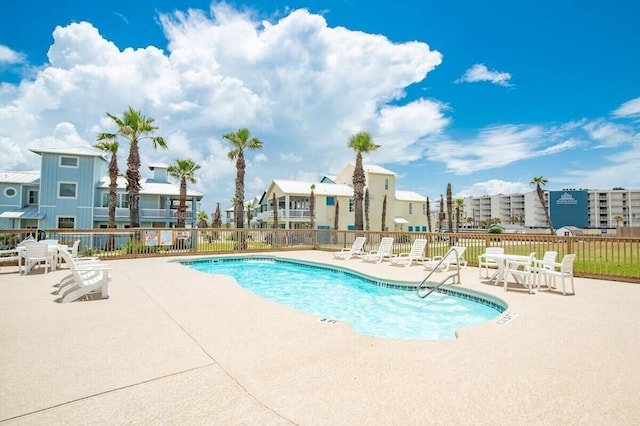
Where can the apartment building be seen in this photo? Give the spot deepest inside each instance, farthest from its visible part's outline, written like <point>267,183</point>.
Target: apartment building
<point>581,208</point>
<point>71,190</point>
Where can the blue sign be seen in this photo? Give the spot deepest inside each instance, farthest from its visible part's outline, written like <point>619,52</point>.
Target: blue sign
<point>569,208</point>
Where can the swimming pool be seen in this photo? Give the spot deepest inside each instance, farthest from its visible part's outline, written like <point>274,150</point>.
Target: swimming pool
<point>371,307</point>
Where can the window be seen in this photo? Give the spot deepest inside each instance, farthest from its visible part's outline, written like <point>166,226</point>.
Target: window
<point>10,192</point>
<point>66,222</point>
<point>331,201</point>
<point>410,208</point>
<point>386,184</point>
<point>122,200</point>
<point>410,229</point>
<point>33,196</point>
<point>424,209</point>
<point>66,190</point>
<point>352,204</point>
<point>68,161</point>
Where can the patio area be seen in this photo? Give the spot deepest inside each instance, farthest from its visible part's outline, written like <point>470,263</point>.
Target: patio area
<point>175,346</point>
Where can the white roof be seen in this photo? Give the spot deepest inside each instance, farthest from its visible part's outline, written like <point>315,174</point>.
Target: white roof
<point>304,188</point>
<point>409,196</point>
<point>20,177</point>
<point>151,187</point>
<point>86,151</point>
<point>372,168</point>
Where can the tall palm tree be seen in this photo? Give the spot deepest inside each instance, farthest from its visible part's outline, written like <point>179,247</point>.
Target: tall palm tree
<point>441,215</point>
<point>618,218</point>
<point>336,222</point>
<point>217,217</point>
<point>312,207</point>
<point>384,213</point>
<point>361,142</point>
<point>459,206</point>
<point>134,127</point>
<point>184,170</point>
<point>449,208</point>
<point>111,146</point>
<point>274,203</point>
<point>241,140</point>
<point>366,210</point>
<point>539,182</point>
<point>429,215</point>
<point>202,218</point>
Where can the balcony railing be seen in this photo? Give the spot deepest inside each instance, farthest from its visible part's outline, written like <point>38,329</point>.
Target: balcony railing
<point>285,214</point>
<point>144,213</point>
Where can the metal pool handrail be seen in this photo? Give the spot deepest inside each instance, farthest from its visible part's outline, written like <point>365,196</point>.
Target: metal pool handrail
<point>456,275</point>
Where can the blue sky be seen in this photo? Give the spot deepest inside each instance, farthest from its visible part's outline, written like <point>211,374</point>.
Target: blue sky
<point>485,95</point>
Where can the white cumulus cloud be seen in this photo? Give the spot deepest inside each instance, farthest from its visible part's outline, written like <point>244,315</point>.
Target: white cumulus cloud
<point>480,72</point>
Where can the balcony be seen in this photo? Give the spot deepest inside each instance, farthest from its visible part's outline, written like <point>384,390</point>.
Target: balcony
<point>144,213</point>
<point>285,214</point>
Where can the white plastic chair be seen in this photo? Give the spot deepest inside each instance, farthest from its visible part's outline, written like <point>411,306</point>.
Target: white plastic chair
<point>547,262</point>
<point>488,262</point>
<point>564,270</point>
<point>37,254</point>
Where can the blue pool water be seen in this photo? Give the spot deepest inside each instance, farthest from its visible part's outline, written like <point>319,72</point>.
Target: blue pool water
<point>342,296</point>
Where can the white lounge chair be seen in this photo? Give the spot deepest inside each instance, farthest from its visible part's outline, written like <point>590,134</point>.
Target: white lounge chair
<point>87,276</point>
<point>454,257</point>
<point>521,271</point>
<point>487,262</point>
<point>86,281</point>
<point>356,249</point>
<point>384,251</point>
<point>416,254</point>
<point>564,270</point>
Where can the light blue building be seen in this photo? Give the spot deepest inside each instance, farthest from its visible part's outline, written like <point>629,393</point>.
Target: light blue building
<point>71,191</point>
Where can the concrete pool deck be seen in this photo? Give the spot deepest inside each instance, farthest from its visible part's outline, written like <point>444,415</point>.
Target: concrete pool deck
<point>176,346</point>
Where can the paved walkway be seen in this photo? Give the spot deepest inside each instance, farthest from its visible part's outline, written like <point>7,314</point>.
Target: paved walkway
<point>175,346</point>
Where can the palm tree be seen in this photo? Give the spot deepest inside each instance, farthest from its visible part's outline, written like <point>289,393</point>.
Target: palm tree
<point>202,217</point>
<point>449,208</point>
<point>241,140</point>
<point>312,207</point>
<point>459,206</point>
<point>441,215</point>
<point>384,213</point>
<point>618,218</point>
<point>335,219</point>
<point>111,146</point>
<point>275,211</point>
<point>429,215</point>
<point>134,127</point>
<point>217,217</point>
<point>539,181</point>
<point>366,210</point>
<point>361,142</point>
<point>184,170</point>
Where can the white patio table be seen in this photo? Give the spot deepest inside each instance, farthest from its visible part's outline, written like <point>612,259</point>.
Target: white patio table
<point>501,260</point>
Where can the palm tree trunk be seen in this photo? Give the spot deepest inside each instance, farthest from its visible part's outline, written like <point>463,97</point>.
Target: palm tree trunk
<point>366,210</point>
<point>545,207</point>
<point>239,206</point>
<point>133,184</point>
<point>182,206</point>
<point>429,215</point>
<point>384,213</point>
<point>449,208</point>
<point>358,192</point>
